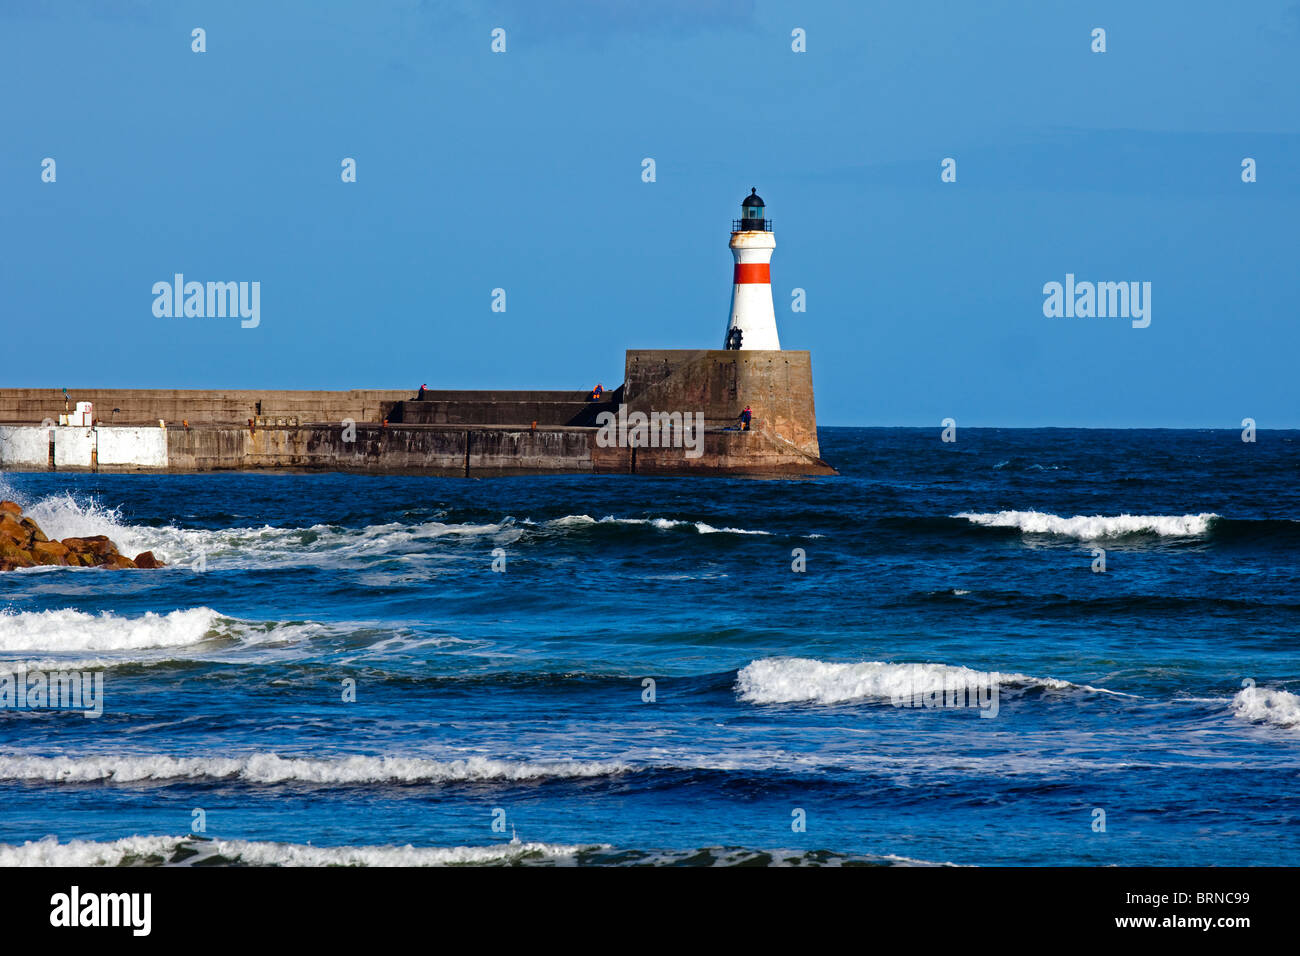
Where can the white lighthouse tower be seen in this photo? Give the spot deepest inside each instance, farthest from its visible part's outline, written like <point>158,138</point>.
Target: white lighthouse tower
<point>753,320</point>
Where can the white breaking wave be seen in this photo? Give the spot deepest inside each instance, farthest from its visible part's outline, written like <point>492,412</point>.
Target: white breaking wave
<point>1277,708</point>
<point>61,639</point>
<point>663,524</point>
<point>136,850</point>
<point>69,630</point>
<point>785,680</point>
<point>318,545</point>
<point>270,768</point>
<point>49,852</point>
<point>64,515</point>
<point>56,639</point>
<point>1091,527</point>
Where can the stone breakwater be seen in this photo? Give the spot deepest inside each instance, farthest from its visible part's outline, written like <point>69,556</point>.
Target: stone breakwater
<point>24,545</point>
<point>454,433</point>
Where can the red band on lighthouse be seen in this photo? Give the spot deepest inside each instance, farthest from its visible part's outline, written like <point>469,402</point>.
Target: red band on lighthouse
<point>753,272</point>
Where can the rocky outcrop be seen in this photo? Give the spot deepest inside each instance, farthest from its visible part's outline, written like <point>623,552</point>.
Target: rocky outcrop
<point>24,545</point>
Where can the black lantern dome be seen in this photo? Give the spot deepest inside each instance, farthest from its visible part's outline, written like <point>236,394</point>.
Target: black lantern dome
<point>751,211</point>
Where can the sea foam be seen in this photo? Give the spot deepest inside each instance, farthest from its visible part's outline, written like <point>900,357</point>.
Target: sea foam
<point>190,851</point>
<point>70,639</point>
<point>270,769</point>
<point>1276,708</point>
<point>662,524</point>
<point>1092,527</point>
<point>69,630</point>
<point>325,545</point>
<point>139,849</point>
<point>783,680</point>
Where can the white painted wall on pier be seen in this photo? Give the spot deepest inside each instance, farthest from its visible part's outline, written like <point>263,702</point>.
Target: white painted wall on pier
<point>24,446</point>
<point>28,446</point>
<point>72,445</point>
<point>142,447</point>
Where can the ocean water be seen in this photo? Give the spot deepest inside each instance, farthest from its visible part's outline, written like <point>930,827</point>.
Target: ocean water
<point>502,716</point>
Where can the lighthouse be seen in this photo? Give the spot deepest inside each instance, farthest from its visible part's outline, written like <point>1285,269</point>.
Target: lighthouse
<point>753,320</point>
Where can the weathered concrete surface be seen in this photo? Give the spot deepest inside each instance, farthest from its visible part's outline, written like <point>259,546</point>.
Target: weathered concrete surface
<point>776,385</point>
<point>498,451</point>
<point>502,395</point>
<point>448,433</point>
<point>146,406</point>
<point>25,447</point>
<point>397,449</point>
<point>474,451</point>
<point>503,408</point>
<point>317,447</point>
<point>732,453</point>
<point>132,447</point>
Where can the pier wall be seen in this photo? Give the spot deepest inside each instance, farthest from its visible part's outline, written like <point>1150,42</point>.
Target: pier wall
<point>397,449</point>
<point>502,408</point>
<point>201,406</point>
<point>27,447</point>
<point>447,433</point>
<point>777,385</point>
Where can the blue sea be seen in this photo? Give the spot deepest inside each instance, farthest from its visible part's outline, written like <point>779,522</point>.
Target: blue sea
<point>920,661</point>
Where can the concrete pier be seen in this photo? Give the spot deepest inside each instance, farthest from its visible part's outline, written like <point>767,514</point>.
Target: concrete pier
<point>452,433</point>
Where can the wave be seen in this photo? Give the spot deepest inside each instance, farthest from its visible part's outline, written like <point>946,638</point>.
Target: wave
<point>153,850</point>
<point>662,524</point>
<point>1276,708</point>
<point>1022,464</point>
<point>270,769</point>
<point>61,639</point>
<point>1092,527</point>
<point>319,545</point>
<point>69,630</point>
<point>652,767</point>
<point>786,680</point>
<point>65,515</point>
<point>190,851</point>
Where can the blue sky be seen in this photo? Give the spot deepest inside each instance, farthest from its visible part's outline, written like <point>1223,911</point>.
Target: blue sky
<point>522,171</point>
